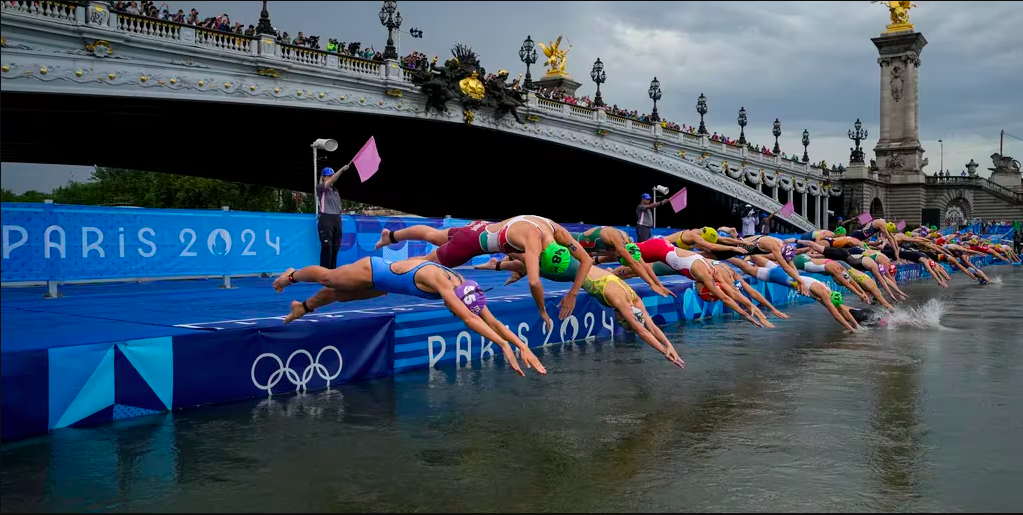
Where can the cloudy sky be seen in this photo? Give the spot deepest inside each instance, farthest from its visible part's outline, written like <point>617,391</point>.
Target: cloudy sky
<point>810,64</point>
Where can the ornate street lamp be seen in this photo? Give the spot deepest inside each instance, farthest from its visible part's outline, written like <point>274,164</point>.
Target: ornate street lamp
<point>860,134</point>
<point>390,17</point>
<point>655,95</point>
<point>264,26</point>
<point>527,53</point>
<point>806,143</point>
<point>701,107</point>
<point>777,133</point>
<point>598,76</point>
<point>742,125</point>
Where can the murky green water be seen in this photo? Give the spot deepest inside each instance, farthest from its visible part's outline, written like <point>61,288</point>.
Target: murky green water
<point>802,418</point>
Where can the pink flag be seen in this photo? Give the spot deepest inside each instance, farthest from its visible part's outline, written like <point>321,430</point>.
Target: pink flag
<point>865,217</point>
<point>678,200</point>
<point>787,210</point>
<point>900,226</point>
<point>367,161</point>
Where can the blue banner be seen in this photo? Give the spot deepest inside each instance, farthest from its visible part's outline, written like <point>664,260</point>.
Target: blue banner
<point>222,366</point>
<point>58,242</point>
<point>52,242</point>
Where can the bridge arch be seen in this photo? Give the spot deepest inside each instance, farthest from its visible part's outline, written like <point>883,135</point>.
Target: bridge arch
<point>877,208</point>
<point>957,207</point>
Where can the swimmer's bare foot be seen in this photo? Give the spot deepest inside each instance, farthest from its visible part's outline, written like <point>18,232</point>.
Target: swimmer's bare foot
<point>515,276</point>
<point>385,239</point>
<point>284,280</point>
<point>297,311</point>
<point>489,265</point>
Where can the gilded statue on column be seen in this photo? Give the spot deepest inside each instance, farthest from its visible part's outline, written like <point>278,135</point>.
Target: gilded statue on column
<point>899,11</point>
<point>556,57</point>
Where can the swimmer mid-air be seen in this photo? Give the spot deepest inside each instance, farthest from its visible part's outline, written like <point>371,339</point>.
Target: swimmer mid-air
<point>372,277</point>
<point>544,243</point>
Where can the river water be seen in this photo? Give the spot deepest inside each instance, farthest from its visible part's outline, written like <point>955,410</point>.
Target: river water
<point>923,416</point>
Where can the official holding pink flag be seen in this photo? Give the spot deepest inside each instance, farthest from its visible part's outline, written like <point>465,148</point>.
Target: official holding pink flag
<point>645,217</point>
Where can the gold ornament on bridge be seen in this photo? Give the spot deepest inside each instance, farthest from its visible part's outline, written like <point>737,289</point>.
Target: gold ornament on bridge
<point>99,48</point>
<point>252,87</point>
<point>143,78</point>
<point>472,87</point>
<point>79,72</point>
<point>111,76</point>
<point>556,57</point>
<point>173,81</point>
<point>43,70</point>
<point>202,83</point>
<point>899,11</point>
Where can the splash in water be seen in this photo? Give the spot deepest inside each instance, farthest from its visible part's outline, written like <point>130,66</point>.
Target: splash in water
<point>926,316</point>
<point>995,281</point>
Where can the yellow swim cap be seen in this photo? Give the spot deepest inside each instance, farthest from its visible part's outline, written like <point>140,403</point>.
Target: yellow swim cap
<point>710,235</point>
<point>909,234</point>
<point>891,227</point>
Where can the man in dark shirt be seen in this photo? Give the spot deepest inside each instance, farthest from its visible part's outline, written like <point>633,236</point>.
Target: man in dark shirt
<point>329,217</point>
<point>645,217</point>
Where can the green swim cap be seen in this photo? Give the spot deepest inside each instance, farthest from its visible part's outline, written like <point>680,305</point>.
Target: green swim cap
<point>634,251</point>
<point>840,231</point>
<point>555,259</point>
<point>836,298</point>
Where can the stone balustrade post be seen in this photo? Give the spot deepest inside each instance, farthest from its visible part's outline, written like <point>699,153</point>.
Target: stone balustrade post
<point>97,14</point>
<point>333,61</point>
<point>655,130</point>
<point>268,47</point>
<point>743,151</point>
<point>601,116</point>
<point>392,70</point>
<point>565,110</point>
<point>804,210</point>
<point>774,190</point>
<point>704,141</point>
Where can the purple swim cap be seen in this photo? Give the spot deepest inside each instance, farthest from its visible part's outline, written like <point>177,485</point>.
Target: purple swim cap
<point>788,252</point>
<point>472,295</point>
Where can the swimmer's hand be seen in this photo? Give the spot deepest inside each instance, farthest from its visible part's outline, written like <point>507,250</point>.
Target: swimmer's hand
<point>567,304</point>
<point>663,291</point>
<point>780,315</point>
<point>531,360</point>
<point>741,250</point>
<point>513,362</point>
<point>674,358</point>
<point>547,320</point>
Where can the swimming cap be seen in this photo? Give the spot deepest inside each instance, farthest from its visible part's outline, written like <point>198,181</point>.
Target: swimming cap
<point>788,252</point>
<point>472,295</point>
<point>892,269</point>
<point>840,231</point>
<point>763,215</point>
<point>909,234</point>
<point>638,315</point>
<point>710,235</point>
<point>934,227</point>
<point>836,298</point>
<point>845,275</point>
<point>555,259</point>
<point>328,171</point>
<point>891,227</point>
<point>726,234</point>
<point>707,295</point>
<point>634,251</point>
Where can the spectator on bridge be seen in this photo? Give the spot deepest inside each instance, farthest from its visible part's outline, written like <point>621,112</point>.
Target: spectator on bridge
<point>645,217</point>
<point>749,221</point>
<point>328,222</point>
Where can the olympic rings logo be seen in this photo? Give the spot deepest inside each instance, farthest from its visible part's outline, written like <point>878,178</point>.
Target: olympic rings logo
<point>284,370</point>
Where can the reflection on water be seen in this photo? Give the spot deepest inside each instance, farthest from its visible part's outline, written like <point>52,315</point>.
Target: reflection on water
<point>915,417</point>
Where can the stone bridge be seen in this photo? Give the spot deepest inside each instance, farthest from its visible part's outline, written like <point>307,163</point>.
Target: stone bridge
<point>71,55</point>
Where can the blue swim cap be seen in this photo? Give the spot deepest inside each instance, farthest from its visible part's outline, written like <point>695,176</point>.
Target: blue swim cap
<point>763,215</point>
<point>725,234</point>
<point>328,171</point>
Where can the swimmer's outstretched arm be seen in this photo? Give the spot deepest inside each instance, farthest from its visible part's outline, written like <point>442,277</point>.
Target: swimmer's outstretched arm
<point>528,357</point>
<point>457,307</point>
<point>759,297</point>
<point>834,312</point>
<point>565,238</point>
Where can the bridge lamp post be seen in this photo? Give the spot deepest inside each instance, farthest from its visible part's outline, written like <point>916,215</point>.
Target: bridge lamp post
<point>390,17</point>
<point>663,190</point>
<point>701,107</point>
<point>655,95</point>
<point>942,160</point>
<point>327,145</point>
<point>598,76</point>
<point>806,143</point>
<point>742,125</point>
<point>527,54</point>
<point>857,135</point>
<point>264,26</point>
<point>777,133</point>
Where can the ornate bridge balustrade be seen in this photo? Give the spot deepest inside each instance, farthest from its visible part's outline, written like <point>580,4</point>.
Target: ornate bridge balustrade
<point>86,49</point>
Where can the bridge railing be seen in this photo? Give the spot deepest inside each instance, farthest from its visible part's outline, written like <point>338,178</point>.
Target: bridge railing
<point>975,181</point>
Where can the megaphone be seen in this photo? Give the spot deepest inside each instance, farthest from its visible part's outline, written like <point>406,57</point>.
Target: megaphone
<point>325,144</point>
<point>663,190</point>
